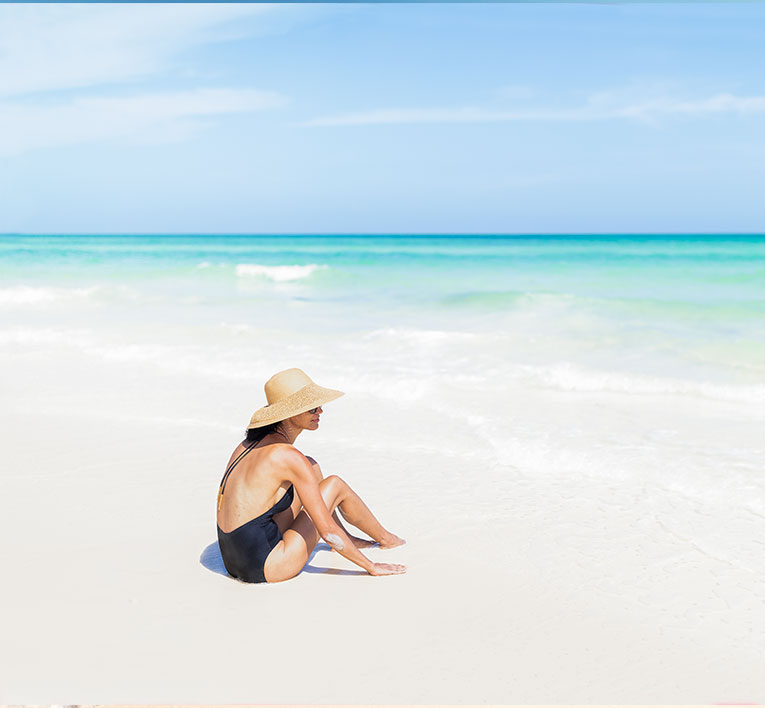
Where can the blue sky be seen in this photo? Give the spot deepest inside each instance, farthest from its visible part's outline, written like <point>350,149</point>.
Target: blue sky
<point>403,118</point>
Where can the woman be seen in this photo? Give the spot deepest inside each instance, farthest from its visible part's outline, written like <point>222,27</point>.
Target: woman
<point>274,504</point>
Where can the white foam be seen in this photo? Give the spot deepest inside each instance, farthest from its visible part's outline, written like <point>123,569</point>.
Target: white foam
<point>567,377</point>
<point>397,387</point>
<point>476,358</point>
<point>279,274</point>
<point>426,337</point>
<point>173,358</point>
<point>83,340</point>
<point>30,295</point>
<point>238,328</point>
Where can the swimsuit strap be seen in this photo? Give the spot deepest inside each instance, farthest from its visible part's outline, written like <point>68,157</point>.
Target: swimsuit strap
<point>230,469</point>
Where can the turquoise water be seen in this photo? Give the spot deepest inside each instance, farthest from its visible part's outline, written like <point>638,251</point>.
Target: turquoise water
<point>478,270</point>
<point>677,306</point>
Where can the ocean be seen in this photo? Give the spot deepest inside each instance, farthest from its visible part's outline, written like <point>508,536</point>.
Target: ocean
<point>632,360</point>
<point>629,314</point>
<point>479,328</point>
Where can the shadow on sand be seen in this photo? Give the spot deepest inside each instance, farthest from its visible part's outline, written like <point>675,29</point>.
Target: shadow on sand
<point>213,561</point>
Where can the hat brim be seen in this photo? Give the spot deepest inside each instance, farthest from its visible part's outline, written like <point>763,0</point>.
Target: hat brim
<point>310,396</point>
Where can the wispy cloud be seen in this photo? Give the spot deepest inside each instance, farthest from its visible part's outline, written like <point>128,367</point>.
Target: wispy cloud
<point>55,47</point>
<point>169,115</point>
<point>599,107</point>
<point>74,74</point>
<point>651,103</point>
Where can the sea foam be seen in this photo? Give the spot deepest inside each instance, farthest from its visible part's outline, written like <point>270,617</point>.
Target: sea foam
<point>483,358</point>
<point>31,295</point>
<point>567,377</point>
<point>278,274</point>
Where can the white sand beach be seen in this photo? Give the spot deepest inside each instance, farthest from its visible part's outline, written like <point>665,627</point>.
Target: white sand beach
<point>529,580</point>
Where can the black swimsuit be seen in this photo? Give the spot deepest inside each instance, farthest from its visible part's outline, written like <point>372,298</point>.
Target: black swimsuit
<point>246,548</point>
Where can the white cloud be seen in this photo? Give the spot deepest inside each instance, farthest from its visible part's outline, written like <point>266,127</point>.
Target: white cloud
<point>64,71</point>
<point>24,127</point>
<point>53,47</point>
<point>721,103</point>
<point>600,106</point>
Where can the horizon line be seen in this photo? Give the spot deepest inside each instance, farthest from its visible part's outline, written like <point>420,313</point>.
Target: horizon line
<point>393,234</point>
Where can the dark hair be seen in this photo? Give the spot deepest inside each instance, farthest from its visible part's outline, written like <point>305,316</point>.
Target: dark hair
<point>257,434</point>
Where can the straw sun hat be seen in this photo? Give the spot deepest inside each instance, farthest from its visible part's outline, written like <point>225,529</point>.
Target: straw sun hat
<point>289,393</point>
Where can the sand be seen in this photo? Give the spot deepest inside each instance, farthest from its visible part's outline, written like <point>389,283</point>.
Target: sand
<point>530,581</point>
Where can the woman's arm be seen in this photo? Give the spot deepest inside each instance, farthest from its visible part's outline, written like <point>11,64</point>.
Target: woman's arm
<point>300,472</point>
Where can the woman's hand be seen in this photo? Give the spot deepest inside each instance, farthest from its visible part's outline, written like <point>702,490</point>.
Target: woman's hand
<point>387,569</point>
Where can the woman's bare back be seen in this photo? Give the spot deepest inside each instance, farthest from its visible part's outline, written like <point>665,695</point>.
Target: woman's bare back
<point>254,486</point>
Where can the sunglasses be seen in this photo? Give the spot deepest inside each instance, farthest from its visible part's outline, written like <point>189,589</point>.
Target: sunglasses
<point>313,410</point>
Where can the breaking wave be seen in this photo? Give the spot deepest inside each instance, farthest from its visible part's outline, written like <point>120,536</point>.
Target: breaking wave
<point>278,274</point>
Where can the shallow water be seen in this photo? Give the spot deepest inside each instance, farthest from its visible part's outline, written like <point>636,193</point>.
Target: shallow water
<point>614,313</point>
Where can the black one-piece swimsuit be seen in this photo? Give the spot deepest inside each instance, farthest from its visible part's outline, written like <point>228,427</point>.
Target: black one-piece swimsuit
<point>246,548</point>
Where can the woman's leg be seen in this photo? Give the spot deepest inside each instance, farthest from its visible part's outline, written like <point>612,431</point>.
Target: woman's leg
<point>357,513</point>
<point>286,518</point>
<point>289,557</point>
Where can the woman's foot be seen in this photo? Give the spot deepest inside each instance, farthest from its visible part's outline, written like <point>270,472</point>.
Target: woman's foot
<point>362,542</point>
<point>391,541</point>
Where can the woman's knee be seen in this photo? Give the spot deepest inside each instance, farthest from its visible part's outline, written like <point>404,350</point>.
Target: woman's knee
<point>332,485</point>
<point>316,469</point>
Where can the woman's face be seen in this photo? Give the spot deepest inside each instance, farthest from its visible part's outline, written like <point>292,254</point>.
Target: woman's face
<point>308,420</point>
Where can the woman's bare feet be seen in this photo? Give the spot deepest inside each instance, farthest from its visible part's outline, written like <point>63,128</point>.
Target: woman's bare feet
<point>362,542</point>
<point>391,541</point>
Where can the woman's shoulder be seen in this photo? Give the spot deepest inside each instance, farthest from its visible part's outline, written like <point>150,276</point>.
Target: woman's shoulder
<point>288,462</point>
<point>283,453</point>
<point>274,453</point>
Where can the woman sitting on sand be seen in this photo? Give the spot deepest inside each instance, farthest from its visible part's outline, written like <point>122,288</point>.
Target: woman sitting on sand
<point>267,472</point>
